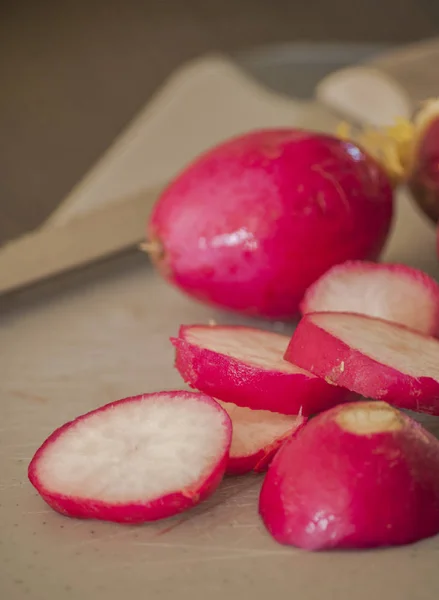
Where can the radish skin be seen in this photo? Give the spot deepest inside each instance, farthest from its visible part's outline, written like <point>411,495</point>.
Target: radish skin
<point>251,223</point>
<point>408,150</point>
<point>423,167</point>
<point>361,475</point>
<point>245,366</point>
<point>392,292</point>
<point>371,357</point>
<point>257,436</point>
<point>138,459</point>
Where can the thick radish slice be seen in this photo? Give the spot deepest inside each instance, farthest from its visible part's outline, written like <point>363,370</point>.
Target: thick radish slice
<point>392,292</point>
<point>257,436</point>
<point>360,475</point>
<point>135,460</point>
<point>246,366</point>
<point>371,357</point>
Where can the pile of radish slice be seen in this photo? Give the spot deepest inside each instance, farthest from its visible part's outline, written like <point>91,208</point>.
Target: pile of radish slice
<point>343,471</point>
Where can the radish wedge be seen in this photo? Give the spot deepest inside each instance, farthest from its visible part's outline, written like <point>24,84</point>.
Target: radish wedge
<point>371,357</point>
<point>246,366</point>
<point>395,293</point>
<point>139,459</point>
<point>360,475</point>
<point>257,436</point>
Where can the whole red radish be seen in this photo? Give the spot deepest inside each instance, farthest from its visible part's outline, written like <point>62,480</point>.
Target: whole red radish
<point>409,152</point>
<point>257,436</point>
<point>423,160</point>
<point>139,459</point>
<point>374,358</point>
<point>245,366</point>
<point>361,475</point>
<point>250,224</point>
<point>396,293</point>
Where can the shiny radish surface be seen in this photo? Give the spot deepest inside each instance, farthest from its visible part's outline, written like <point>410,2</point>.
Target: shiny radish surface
<point>375,484</point>
<point>134,460</point>
<point>423,161</point>
<point>245,366</point>
<point>257,436</point>
<point>395,293</point>
<point>371,357</point>
<point>254,221</point>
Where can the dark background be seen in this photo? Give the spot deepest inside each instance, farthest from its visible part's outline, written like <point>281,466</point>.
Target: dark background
<point>74,72</point>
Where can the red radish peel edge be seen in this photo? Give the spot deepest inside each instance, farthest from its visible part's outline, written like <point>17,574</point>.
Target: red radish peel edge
<point>257,436</point>
<point>392,292</point>
<point>371,357</point>
<point>375,484</point>
<point>135,460</point>
<point>245,366</point>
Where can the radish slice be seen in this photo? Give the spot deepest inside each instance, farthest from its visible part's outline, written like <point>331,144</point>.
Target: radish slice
<point>257,436</point>
<point>371,357</point>
<point>138,459</point>
<point>246,366</point>
<point>360,475</point>
<point>395,293</point>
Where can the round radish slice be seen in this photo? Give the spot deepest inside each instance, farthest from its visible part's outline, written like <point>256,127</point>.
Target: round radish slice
<point>360,475</point>
<point>134,460</point>
<point>246,366</point>
<point>395,293</point>
<point>371,357</point>
<point>257,436</point>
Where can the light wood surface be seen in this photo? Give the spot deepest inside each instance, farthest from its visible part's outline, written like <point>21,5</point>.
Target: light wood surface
<point>78,342</point>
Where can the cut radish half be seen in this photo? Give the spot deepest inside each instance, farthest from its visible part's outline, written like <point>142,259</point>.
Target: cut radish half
<point>360,475</point>
<point>395,293</point>
<point>374,358</point>
<point>134,460</point>
<point>257,436</point>
<point>246,366</point>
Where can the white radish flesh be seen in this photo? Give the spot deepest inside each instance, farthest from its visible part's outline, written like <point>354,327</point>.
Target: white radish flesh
<point>371,357</point>
<point>245,366</point>
<point>135,460</point>
<point>392,292</point>
<point>257,436</point>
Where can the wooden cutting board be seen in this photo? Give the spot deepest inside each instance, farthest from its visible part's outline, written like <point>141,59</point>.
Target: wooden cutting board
<point>85,340</point>
<point>205,102</point>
